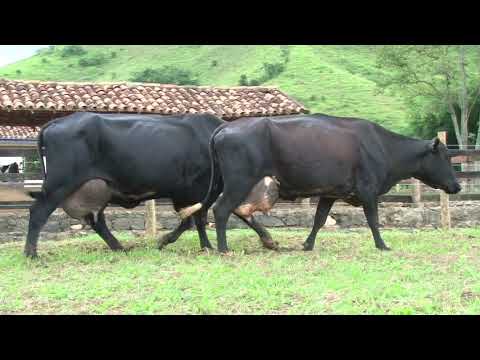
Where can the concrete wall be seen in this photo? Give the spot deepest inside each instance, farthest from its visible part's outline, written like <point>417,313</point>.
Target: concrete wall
<point>14,224</point>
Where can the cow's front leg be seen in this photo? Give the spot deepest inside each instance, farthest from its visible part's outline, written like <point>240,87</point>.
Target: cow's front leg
<point>370,208</point>
<point>321,215</point>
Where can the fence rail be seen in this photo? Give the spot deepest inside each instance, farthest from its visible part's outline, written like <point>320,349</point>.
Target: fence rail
<point>406,191</point>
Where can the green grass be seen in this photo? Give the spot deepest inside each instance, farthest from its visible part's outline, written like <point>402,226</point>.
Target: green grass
<point>428,272</point>
<point>333,79</point>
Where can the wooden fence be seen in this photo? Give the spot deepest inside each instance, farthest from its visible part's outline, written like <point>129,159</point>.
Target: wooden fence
<point>407,191</point>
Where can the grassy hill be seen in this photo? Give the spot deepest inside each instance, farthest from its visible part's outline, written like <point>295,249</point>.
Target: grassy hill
<point>335,79</point>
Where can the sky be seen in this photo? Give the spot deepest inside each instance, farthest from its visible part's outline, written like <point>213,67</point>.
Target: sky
<point>12,53</point>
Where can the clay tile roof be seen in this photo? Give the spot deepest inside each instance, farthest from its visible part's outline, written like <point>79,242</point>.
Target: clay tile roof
<point>18,132</point>
<point>53,98</point>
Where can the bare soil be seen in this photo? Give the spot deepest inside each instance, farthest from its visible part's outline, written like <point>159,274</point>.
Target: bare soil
<point>7,193</point>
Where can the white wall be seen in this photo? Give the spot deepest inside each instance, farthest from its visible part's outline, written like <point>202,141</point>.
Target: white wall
<point>9,160</point>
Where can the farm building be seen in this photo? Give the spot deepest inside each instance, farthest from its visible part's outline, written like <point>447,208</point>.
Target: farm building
<point>26,105</point>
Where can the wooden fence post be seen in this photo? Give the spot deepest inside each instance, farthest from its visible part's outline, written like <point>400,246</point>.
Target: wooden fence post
<point>306,202</point>
<point>417,192</point>
<point>444,198</point>
<point>150,219</point>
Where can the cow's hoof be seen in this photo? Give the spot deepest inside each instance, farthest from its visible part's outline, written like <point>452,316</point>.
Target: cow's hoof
<point>165,240</point>
<point>384,248</point>
<point>307,246</point>
<point>162,242</point>
<point>127,249</point>
<point>161,245</point>
<point>207,250</point>
<point>30,252</point>
<point>226,253</point>
<point>270,244</point>
<point>31,255</point>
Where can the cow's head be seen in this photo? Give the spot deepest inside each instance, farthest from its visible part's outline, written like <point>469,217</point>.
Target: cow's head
<point>436,170</point>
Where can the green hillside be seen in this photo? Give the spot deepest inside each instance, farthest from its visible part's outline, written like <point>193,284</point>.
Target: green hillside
<point>336,79</point>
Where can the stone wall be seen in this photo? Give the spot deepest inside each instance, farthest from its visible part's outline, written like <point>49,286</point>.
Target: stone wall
<point>14,224</point>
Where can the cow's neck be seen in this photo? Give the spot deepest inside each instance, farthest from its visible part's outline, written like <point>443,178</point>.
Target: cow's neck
<point>405,156</point>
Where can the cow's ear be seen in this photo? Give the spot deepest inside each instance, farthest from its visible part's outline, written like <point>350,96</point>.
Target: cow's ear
<point>434,144</point>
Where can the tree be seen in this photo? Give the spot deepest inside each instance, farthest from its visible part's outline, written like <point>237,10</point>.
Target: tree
<point>165,75</point>
<point>243,80</point>
<point>431,77</point>
<point>31,163</point>
<point>72,50</point>
<point>93,60</point>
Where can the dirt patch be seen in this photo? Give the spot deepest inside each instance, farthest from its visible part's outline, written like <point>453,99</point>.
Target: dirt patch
<point>468,295</point>
<point>8,193</point>
<point>446,259</point>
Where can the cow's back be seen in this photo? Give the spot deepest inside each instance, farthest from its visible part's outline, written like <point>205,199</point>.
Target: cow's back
<point>314,154</point>
<point>135,153</point>
<point>308,154</point>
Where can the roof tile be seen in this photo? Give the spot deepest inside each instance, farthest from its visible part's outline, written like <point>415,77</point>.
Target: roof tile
<point>230,103</point>
<point>18,132</point>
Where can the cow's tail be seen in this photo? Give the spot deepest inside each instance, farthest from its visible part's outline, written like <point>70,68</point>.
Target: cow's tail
<point>188,211</point>
<point>40,148</point>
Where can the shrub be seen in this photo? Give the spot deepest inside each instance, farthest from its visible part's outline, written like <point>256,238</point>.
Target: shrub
<point>31,163</point>
<point>93,60</point>
<point>113,54</point>
<point>165,75</point>
<point>44,61</point>
<point>272,70</point>
<point>18,72</point>
<point>285,54</point>
<point>214,63</point>
<point>243,80</point>
<point>72,50</point>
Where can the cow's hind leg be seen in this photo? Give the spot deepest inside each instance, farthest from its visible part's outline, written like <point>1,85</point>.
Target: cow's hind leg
<point>370,208</point>
<point>200,221</point>
<point>264,235</point>
<point>173,236</point>
<point>321,215</point>
<point>40,210</point>
<point>226,204</point>
<point>100,227</point>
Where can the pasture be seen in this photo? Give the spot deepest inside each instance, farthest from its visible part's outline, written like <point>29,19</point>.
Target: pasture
<point>338,79</point>
<point>428,272</point>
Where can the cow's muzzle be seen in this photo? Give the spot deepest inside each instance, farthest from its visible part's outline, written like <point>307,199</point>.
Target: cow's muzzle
<point>453,189</point>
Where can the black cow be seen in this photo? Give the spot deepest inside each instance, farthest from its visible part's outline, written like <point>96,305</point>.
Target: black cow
<point>320,155</point>
<point>10,169</point>
<point>98,159</point>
